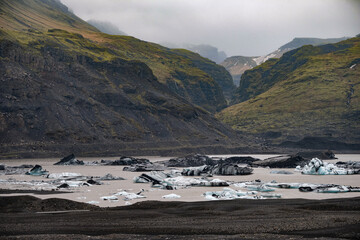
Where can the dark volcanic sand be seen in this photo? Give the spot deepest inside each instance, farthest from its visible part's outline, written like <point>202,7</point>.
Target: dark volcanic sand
<point>235,219</point>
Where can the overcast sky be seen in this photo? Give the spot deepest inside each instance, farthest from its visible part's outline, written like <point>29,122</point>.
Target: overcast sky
<point>238,27</point>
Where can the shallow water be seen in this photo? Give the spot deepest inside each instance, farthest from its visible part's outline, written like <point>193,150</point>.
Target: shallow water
<point>94,193</point>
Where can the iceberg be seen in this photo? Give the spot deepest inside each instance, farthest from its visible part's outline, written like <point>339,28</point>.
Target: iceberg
<point>318,167</point>
<point>37,171</point>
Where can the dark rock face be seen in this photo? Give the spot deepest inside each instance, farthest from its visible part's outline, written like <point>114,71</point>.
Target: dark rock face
<point>69,160</point>
<point>64,101</point>
<point>190,161</point>
<point>126,161</point>
<point>286,161</point>
<point>230,169</point>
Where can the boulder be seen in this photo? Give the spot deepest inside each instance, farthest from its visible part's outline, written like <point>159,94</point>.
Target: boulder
<point>69,160</point>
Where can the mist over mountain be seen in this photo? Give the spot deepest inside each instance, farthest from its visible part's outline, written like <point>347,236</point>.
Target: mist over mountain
<point>106,27</point>
<point>205,50</point>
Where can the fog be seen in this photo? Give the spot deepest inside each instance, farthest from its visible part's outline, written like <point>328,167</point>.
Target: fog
<point>238,27</point>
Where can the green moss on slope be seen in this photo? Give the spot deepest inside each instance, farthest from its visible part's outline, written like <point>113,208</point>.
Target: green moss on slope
<point>310,91</point>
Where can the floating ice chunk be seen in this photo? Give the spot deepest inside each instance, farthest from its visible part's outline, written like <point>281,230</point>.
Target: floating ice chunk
<point>240,185</point>
<point>318,167</point>
<point>129,196</point>
<point>259,188</point>
<point>140,180</point>
<point>284,185</point>
<point>64,175</point>
<point>228,194</point>
<point>172,195</point>
<point>280,172</point>
<point>112,198</point>
<point>37,171</point>
<point>270,195</point>
<point>109,177</point>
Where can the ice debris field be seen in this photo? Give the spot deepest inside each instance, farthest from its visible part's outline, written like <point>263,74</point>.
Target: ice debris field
<point>196,178</point>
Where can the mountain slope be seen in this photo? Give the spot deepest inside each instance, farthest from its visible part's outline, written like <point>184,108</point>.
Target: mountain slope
<point>61,92</point>
<point>195,85</point>
<point>308,92</point>
<point>237,65</point>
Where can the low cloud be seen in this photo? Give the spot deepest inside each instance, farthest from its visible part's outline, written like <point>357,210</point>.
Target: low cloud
<point>239,27</point>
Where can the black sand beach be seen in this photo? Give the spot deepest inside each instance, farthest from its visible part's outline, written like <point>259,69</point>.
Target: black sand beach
<point>28,217</point>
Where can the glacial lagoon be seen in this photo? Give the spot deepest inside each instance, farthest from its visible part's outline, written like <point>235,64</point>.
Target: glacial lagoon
<point>96,194</point>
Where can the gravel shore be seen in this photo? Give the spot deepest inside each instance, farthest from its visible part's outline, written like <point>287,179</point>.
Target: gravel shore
<point>235,219</point>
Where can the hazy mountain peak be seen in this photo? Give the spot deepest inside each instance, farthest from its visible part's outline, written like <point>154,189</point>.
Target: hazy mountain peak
<point>106,27</point>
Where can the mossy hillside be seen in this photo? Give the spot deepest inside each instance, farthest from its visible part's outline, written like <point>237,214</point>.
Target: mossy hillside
<point>263,77</point>
<point>318,98</point>
<point>40,15</point>
<point>196,85</point>
<point>58,87</point>
<point>178,70</point>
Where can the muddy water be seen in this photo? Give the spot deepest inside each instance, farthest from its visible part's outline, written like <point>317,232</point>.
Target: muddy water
<point>94,193</point>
